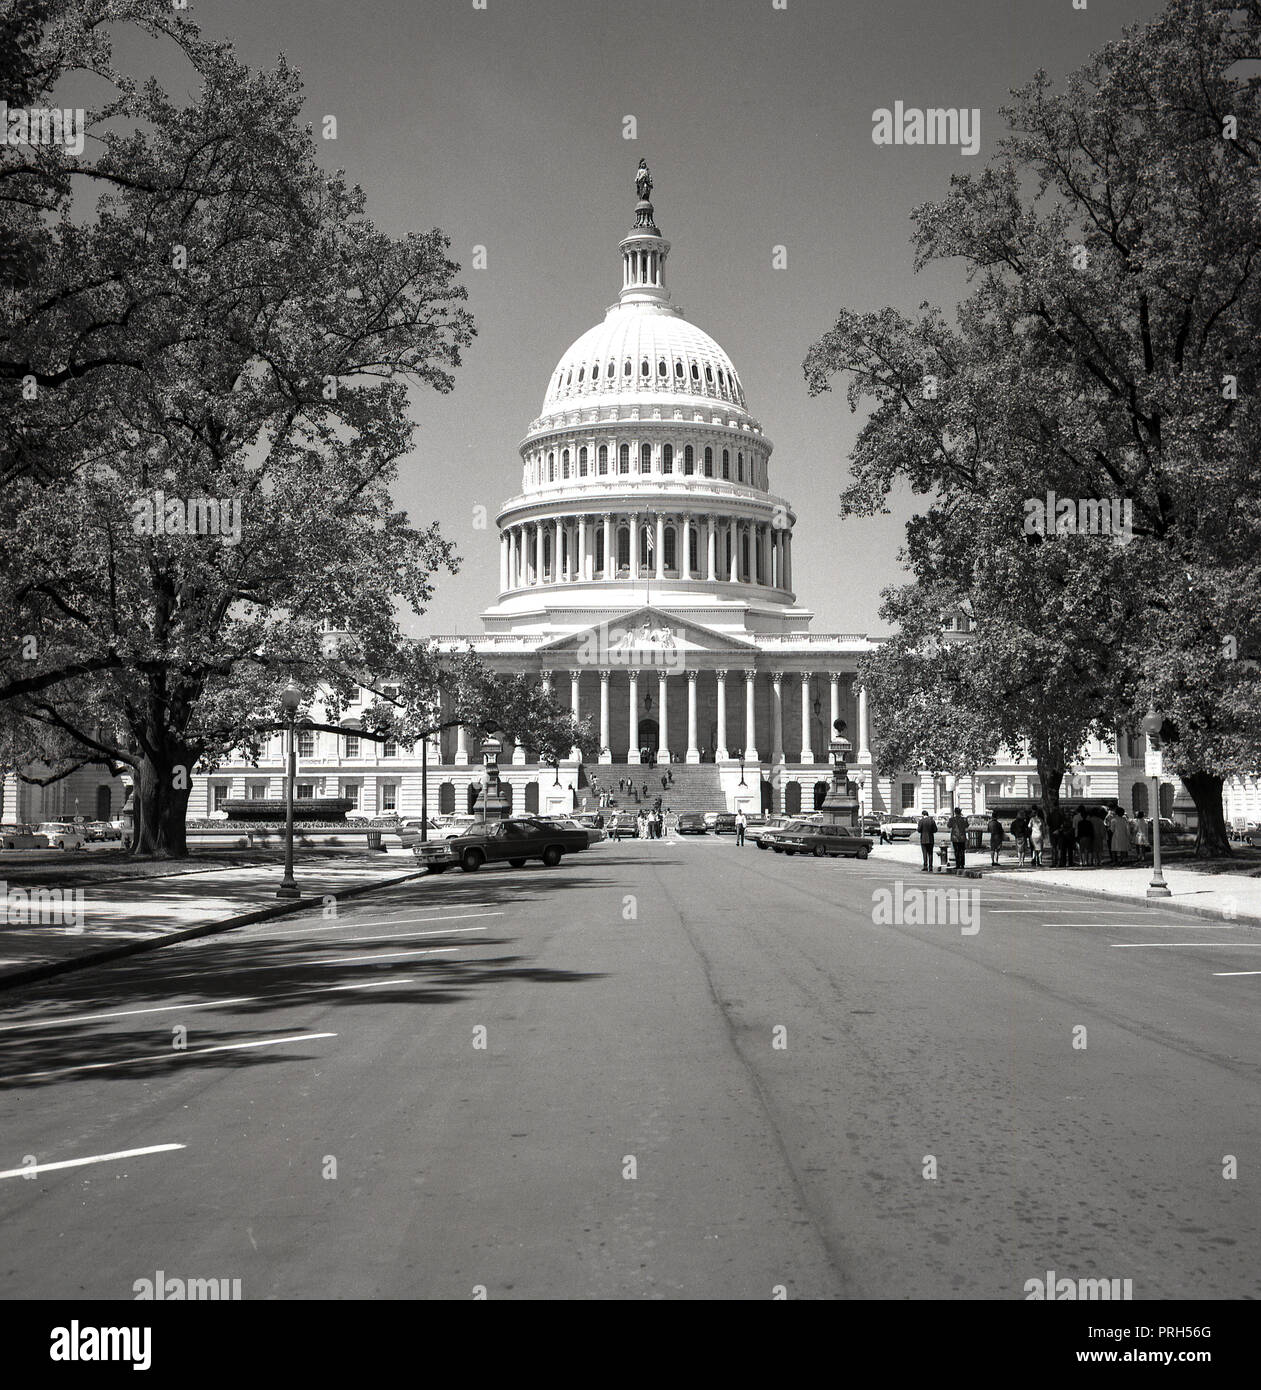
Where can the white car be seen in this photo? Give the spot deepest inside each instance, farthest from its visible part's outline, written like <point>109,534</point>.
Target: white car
<point>62,834</point>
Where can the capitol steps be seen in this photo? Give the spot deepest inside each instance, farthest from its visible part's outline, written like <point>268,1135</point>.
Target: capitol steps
<point>695,786</point>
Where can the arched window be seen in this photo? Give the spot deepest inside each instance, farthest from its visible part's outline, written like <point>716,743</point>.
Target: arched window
<point>689,460</point>
<point>446,799</point>
<point>569,380</point>
<point>551,468</point>
<point>726,463</point>
<point>744,556</point>
<point>644,368</point>
<point>626,367</point>
<point>623,547</point>
<point>564,463</point>
<point>693,549</point>
<point>645,542</point>
<point>547,552</point>
<point>709,374</point>
<point>599,549</point>
<point>623,458</point>
<point>595,371</point>
<point>531,798</point>
<point>740,467</point>
<point>678,368</point>
<point>792,799</point>
<point>611,373</point>
<point>603,458</point>
<point>582,371</point>
<point>582,462</point>
<point>662,369</point>
<point>645,458</point>
<point>670,547</point>
<point>709,462</point>
<point>696,372</point>
<point>667,458</point>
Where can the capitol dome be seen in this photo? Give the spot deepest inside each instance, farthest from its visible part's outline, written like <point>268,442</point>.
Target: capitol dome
<point>644,466</point>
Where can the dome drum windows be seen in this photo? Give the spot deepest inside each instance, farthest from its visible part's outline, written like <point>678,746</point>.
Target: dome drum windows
<point>564,464</point>
<point>709,462</point>
<point>603,460</point>
<point>645,368</point>
<point>582,462</point>
<point>645,458</point>
<point>551,467</point>
<point>667,458</point>
<point>662,370</point>
<point>623,458</point>
<point>678,368</point>
<point>726,464</point>
<point>689,461</point>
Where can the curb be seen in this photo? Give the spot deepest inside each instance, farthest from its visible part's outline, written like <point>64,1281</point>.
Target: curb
<point>134,948</point>
<point>1195,909</point>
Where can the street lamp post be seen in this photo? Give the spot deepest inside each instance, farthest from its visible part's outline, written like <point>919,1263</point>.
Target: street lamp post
<point>1151,725</point>
<point>290,699</point>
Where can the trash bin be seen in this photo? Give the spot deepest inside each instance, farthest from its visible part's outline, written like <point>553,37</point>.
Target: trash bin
<point>975,838</point>
<point>374,839</point>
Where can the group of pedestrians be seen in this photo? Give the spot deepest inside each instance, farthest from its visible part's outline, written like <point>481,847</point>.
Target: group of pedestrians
<point>650,825</point>
<point>1060,840</point>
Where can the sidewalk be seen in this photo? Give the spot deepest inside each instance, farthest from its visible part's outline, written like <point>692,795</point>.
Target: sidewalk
<point>1233,896</point>
<point>125,916</point>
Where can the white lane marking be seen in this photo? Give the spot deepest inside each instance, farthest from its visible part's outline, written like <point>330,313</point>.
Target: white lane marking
<point>411,935</point>
<point>1157,926</point>
<point>350,925</point>
<point>1099,912</point>
<point>172,1056</point>
<point>95,1158</point>
<point>208,1004</point>
<point>1230,945</point>
<point>387,955</point>
<point>1237,972</point>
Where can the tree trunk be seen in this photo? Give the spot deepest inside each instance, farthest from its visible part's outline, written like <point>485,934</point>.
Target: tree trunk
<point>1212,840</point>
<point>1050,776</point>
<point>160,805</point>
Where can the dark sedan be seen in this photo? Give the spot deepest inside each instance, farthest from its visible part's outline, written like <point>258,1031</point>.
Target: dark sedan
<point>725,823</point>
<point>821,840</point>
<point>692,823</point>
<point>513,841</point>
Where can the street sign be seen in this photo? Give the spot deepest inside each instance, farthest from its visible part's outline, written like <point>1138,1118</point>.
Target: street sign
<point>1155,761</point>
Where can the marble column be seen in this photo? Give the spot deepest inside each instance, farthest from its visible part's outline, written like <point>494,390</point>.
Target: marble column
<point>807,753</point>
<point>461,746</point>
<point>750,736</point>
<point>556,551</point>
<point>503,561</point>
<point>663,732</point>
<point>610,559</point>
<point>864,748</point>
<point>732,539</point>
<point>777,716</point>
<point>720,751</point>
<point>711,549</point>
<point>632,735</point>
<point>834,703</point>
<point>693,754</point>
<point>584,569</point>
<point>538,552</point>
<point>606,752</point>
<point>788,560</point>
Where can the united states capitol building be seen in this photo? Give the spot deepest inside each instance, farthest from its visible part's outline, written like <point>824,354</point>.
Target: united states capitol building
<point>646,577</point>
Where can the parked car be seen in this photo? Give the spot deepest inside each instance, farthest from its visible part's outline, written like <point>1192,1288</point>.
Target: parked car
<point>21,837</point>
<point>711,819</point>
<point>725,823</point>
<point>900,827</point>
<point>762,837</point>
<point>820,840</point>
<point>594,833</point>
<point>692,823</point>
<point>773,837</point>
<point>513,841</point>
<point>623,826</point>
<point>100,832</point>
<point>1253,837</point>
<point>409,831</point>
<point>62,834</point>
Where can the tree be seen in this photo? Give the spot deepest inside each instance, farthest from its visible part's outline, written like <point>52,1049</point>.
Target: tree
<point>1109,353</point>
<point>199,486</point>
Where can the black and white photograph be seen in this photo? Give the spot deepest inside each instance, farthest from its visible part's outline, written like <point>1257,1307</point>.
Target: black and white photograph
<point>486,488</point>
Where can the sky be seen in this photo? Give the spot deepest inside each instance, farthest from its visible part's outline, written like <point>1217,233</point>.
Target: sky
<point>504,126</point>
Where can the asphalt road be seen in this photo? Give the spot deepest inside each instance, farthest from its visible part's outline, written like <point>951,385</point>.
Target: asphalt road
<point>707,1072</point>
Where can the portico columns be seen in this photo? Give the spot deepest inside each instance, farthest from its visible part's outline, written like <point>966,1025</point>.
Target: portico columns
<point>610,560</point>
<point>834,703</point>
<point>634,548</point>
<point>606,753</point>
<point>583,572</point>
<point>711,549</point>
<point>777,716</point>
<point>538,552</point>
<point>750,738</point>
<point>556,551</point>
<point>632,752</point>
<point>575,752</point>
<point>788,559</point>
<point>660,548</point>
<point>693,752</point>
<point>864,749</point>
<point>732,539</point>
<point>721,751</point>
<point>807,753</point>
<point>663,734</point>
<point>461,746</point>
<point>503,560</point>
